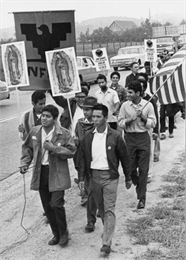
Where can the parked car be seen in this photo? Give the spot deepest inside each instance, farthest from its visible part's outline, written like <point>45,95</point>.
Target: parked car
<point>87,69</point>
<point>167,42</point>
<point>4,92</point>
<point>127,55</point>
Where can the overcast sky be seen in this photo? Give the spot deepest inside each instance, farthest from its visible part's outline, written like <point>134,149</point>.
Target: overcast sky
<point>91,9</point>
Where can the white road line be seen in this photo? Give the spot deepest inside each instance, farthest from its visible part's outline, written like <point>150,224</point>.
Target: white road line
<point>8,118</point>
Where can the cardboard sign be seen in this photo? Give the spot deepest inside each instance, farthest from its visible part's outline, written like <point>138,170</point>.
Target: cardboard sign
<point>151,50</point>
<point>101,59</point>
<point>63,72</point>
<point>14,64</point>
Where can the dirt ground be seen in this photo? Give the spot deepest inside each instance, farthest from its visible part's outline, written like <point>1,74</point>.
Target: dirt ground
<point>16,244</point>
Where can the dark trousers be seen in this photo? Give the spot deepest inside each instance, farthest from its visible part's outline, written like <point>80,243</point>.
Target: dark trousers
<point>53,204</point>
<point>138,145</point>
<point>163,120</point>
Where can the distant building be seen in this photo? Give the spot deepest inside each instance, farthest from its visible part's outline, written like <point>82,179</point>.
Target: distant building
<point>121,26</point>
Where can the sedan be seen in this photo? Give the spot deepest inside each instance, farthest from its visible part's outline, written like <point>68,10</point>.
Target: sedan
<point>4,92</point>
<point>87,69</point>
<point>127,55</point>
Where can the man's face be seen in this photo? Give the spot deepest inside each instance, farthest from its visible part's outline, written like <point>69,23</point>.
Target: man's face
<point>131,95</point>
<point>115,79</point>
<point>87,112</point>
<point>98,118</point>
<point>102,84</point>
<point>47,119</point>
<point>80,98</point>
<point>39,105</point>
<point>135,68</point>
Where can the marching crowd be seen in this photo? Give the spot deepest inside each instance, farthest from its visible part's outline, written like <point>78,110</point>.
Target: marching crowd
<point>119,125</point>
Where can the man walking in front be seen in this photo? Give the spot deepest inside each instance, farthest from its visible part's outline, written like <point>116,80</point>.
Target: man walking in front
<point>134,75</point>
<point>136,117</point>
<point>49,146</point>
<point>102,149</point>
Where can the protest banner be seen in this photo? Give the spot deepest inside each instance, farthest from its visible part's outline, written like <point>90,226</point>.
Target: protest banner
<point>63,72</point>
<point>150,50</point>
<point>14,64</point>
<point>101,59</point>
<point>43,31</point>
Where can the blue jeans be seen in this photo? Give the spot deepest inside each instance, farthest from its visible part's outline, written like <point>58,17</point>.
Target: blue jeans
<point>105,193</point>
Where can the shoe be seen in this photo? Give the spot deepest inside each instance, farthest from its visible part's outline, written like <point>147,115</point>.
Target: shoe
<point>76,180</point>
<point>163,136</point>
<point>64,239</point>
<point>175,127</point>
<point>141,204</point>
<point>98,215</point>
<point>156,159</point>
<point>54,241</point>
<point>171,135</point>
<point>105,249</point>
<point>89,227</point>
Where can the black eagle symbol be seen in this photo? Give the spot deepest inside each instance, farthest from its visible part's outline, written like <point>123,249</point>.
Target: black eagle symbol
<point>46,41</point>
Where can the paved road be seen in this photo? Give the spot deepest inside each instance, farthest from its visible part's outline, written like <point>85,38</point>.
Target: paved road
<point>10,112</point>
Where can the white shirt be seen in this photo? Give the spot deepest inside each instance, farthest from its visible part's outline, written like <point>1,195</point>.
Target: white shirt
<point>110,99</point>
<point>99,155</point>
<point>77,115</point>
<point>45,137</point>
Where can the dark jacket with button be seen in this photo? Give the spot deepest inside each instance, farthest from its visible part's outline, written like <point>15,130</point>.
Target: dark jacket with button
<point>116,151</point>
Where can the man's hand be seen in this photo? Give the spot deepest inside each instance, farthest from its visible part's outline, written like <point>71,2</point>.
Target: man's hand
<point>128,121</point>
<point>23,169</point>
<point>21,128</point>
<point>81,185</point>
<point>140,114</point>
<point>128,184</point>
<point>154,136</point>
<point>48,145</point>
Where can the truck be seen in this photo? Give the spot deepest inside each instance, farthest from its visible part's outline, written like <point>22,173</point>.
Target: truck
<point>169,38</point>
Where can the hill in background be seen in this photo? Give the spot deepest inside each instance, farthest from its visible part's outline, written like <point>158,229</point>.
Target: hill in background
<point>92,24</point>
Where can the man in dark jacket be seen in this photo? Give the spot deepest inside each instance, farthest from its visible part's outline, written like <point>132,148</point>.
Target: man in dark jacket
<point>102,149</point>
<point>134,75</point>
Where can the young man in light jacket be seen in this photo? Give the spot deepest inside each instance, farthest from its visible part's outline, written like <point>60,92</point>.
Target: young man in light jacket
<point>49,146</point>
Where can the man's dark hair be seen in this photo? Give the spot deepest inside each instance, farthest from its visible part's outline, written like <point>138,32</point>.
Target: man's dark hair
<point>133,63</point>
<point>51,109</point>
<point>37,95</point>
<point>102,108</point>
<point>86,84</point>
<point>115,73</point>
<point>84,90</point>
<point>135,86</point>
<point>101,76</point>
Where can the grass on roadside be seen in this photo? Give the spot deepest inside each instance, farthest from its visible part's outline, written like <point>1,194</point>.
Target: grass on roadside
<point>163,224</point>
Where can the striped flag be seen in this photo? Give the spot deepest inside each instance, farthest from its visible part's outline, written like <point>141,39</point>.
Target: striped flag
<point>171,79</point>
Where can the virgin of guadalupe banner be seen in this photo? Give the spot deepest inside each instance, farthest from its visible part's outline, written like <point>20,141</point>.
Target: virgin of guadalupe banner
<point>14,64</point>
<point>63,72</point>
<point>43,31</point>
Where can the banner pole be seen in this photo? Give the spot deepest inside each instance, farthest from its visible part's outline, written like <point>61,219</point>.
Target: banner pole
<point>70,113</point>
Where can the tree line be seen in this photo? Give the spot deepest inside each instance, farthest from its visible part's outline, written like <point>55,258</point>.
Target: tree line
<point>105,35</point>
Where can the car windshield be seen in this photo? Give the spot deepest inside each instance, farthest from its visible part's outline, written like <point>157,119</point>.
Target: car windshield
<point>128,51</point>
<point>164,39</point>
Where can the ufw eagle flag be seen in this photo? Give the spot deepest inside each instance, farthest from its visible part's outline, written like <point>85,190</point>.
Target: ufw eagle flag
<point>170,80</point>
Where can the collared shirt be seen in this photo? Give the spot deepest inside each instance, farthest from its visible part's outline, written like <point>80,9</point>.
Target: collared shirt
<point>45,137</point>
<point>37,118</point>
<point>77,115</point>
<point>99,155</point>
<point>110,99</point>
<point>128,110</point>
